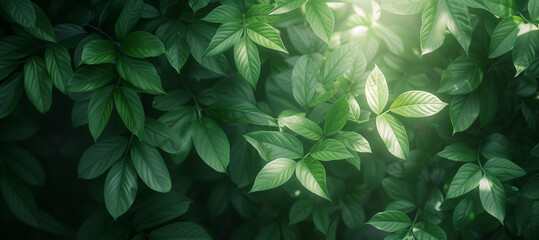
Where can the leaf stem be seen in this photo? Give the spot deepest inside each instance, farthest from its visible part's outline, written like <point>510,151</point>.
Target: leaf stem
<point>522,16</point>
<point>415,219</point>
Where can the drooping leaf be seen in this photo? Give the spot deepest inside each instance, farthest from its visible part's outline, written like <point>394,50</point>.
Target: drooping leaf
<point>211,143</point>
<point>266,36</point>
<point>272,145</point>
<point>247,60</point>
<point>467,178</point>
<point>376,90</point>
<point>393,134</point>
<point>463,110</point>
<point>130,109</point>
<point>458,23</point>
<point>336,117</point>
<point>492,196</point>
<point>38,84</point>
<point>321,19</point>
<point>140,44</point>
<point>328,150</point>
<point>120,188</point>
<point>417,104</point>
<point>128,18</point>
<point>274,174</point>
<point>460,152</point>
<point>433,24</point>
<point>462,76</point>
<point>150,166</point>
<point>98,51</point>
<point>100,156</point>
<point>140,73</point>
<point>390,221</point>
<point>99,110</point>
<point>312,175</point>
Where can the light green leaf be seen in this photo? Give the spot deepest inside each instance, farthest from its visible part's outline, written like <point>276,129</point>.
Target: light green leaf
<point>355,110</point>
<point>533,10</point>
<point>272,145</point>
<point>130,109</point>
<point>235,111</point>
<point>376,90</point>
<point>224,14</point>
<point>211,143</point>
<point>247,60</point>
<point>463,213</point>
<point>504,36</point>
<point>458,22</point>
<point>260,13</point>
<point>329,150</point>
<point>467,178</point>
<point>141,44</point>
<point>98,51</point>
<point>501,8</point>
<point>266,36</point>
<point>58,63</point>
<point>417,104</point>
<point>354,141</point>
<point>284,6</point>
<point>274,174</point>
<point>321,219</point>
<point>226,36</point>
<point>150,166</point>
<point>88,78</point>
<point>404,7</point>
<point>336,117</point>
<point>304,80</point>
<point>22,11</point>
<point>338,62</point>
<point>38,84</point>
<point>460,152</point>
<point>120,188</point>
<point>99,110</point>
<point>525,45</point>
<point>492,196</point>
<point>427,230</point>
<point>141,73</point>
<point>321,19</point>
<point>159,135</point>
<point>463,75</point>
<point>393,134</point>
<point>42,29</point>
<point>312,175</point>
<point>300,210</point>
<point>100,156</point>
<point>302,126</point>
<point>463,111</point>
<point>503,169</point>
<point>172,34</point>
<point>433,24</point>
<point>180,230</point>
<point>19,200</point>
<point>128,18</point>
<point>390,221</point>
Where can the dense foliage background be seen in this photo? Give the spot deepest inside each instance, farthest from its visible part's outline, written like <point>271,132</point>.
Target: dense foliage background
<point>246,119</point>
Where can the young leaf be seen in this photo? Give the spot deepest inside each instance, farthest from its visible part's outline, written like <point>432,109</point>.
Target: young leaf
<point>393,134</point>
<point>226,36</point>
<point>338,62</point>
<point>159,209</point>
<point>140,73</point>
<point>312,175</point>
<point>98,51</point>
<point>504,36</point>
<point>427,230</point>
<point>376,91</point>
<point>99,110</point>
<point>460,152</point>
<point>247,60</point>
<point>120,188</point>
<point>390,221</point>
<point>329,150</point>
<point>88,78</point>
<point>321,19</point>
<point>463,75</point>
<point>100,156</point>
<point>433,24</point>
<point>38,84</point>
<point>300,210</point>
<point>336,117</point>
<point>492,196</point>
<point>128,18</point>
<point>302,126</point>
<point>404,7</point>
<point>224,14</point>
<point>503,169</point>
<point>417,104</point>
<point>58,63</point>
<point>211,143</point>
<point>150,166</point>
<point>354,141</point>
<point>42,29</point>
<point>130,109</point>
<point>172,34</point>
<point>272,145</point>
<point>141,44</point>
<point>525,44</point>
<point>274,174</point>
<point>266,36</point>
<point>240,111</point>
<point>463,111</point>
<point>22,11</point>
<point>467,178</point>
<point>157,134</point>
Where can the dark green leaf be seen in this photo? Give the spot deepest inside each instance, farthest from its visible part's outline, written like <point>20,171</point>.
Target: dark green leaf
<point>265,35</point>
<point>38,84</point>
<point>130,109</point>
<point>272,145</point>
<point>226,36</point>
<point>504,36</point>
<point>427,230</point>
<point>180,230</point>
<point>141,44</point>
<point>501,8</point>
<point>503,169</point>
<point>98,51</point>
<point>23,164</point>
<point>19,200</point>
<point>128,18</point>
<point>224,14</point>
<point>524,49</point>
<point>174,100</point>
<point>88,78</point>
<point>42,29</point>
<point>460,152</point>
<point>100,156</point>
<point>150,166</point>
<point>463,75</point>
<point>321,219</point>
<point>211,143</point>
<point>172,34</point>
<point>302,126</point>
<point>463,111</point>
<point>336,117</point>
<point>492,196</point>
<point>99,110</point>
<point>312,176</point>
<point>140,73</point>
<point>466,179</point>
<point>198,4</point>
<point>304,79</point>
<point>240,111</point>
<point>58,62</point>
<point>300,210</point>
<point>120,187</point>
<point>390,221</point>
<point>160,208</point>
<point>22,11</point>
<point>159,135</point>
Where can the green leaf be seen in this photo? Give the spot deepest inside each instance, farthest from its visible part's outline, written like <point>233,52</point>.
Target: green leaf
<point>393,134</point>
<point>88,78</point>
<point>22,11</point>
<point>284,6</point>
<point>503,169</point>
<point>211,143</point>
<point>272,145</point>
<point>180,230</point>
<point>42,29</point>
<point>10,93</point>
<point>401,205</point>
<point>302,126</point>
<point>300,210</point>
<point>354,141</point>
<point>467,178</point>
<point>172,34</point>
<point>157,134</point>
<point>304,80</point>
<point>321,219</point>
<point>38,84</point>
<point>352,213</point>
<point>463,213</point>
<point>150,166</point>
<point>504,36</point>
<point>376,91</point>
<point>174,100</point>
<point>458,22</point>
<point>99,110</point>
<point>198,4</point>
<point>100,156</point>
<point>58,63</point>
<point>525,45</point>
<point>336,117</point>
<point>463,111</point>
<point>141,44</point>
<point>321,19</point>
<point>247,60</point>
<point>128,18</point>
<point>533,10</point>
<point>198,38</point>
<point>390,221</point>
<point>226,36</point>
<point>274,174</point>
<point>417,104</point>
<point>463,75</point>
<point>433,24</point>
<point>408,7</point>
<point>266,36</point>
<point>98,51</point>
<point>15,47</point>
<point>501,8</point>
<point>159,209</point>
<point>338,62</point>
<point>141,73</point>
<point>355,110</point>
<point>329,150</point>
<point>312,175</point>
<point>19,200</point>
<point>23,164</point>
<point>130,109</point>
<point>120,188</point>
<point>460,152</point>
<point>179,120</point>
<point>235,111</point>
<point>492,196</point>
<point>496,145</point>
<point>427,230</point>
<point>224,14</point>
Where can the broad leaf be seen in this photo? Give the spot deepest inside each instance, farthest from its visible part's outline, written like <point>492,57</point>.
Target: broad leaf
<point>130,109</point>
<point>226,36</point>
<point>463,75</point>
<point>352,213</point>
<point>266,36</point>
<point>321,19</point>
<point>272,145</point>
<point>247,60</point>
<point>354,141</point>
<point>503,169</point>
<point>100,156</point>
<point>274,174</point>
<point>140,73</point>
<point>174,100</point>
<point>393,134</point>
<point>417,104</point>
<point>312,175</point>
<point>98,51</point>
<point>99,110</point>
<point>336,117</point>
<point>496,145</point>
<point>38,84</point>
<point>492,196</point>
<point>302,126</point>
<point>198,4</point>
<point>504,36</point>
<point>463,111</point>
<point>120,188</point>
<point>467,178</point>
<point>390,221</point>
<point>141,44</point>
<point>22,164</point>
<point>376,90</point>
<point>42,29</point>
<point>128,18</point>
<point>198,38</point>
<point>150,166</point>
<point>211,143</point>
<point>159,209</point>
<point>328,150</point>
<point>88,78</point>
<point>22,11</point>
<point>533,10</point>
<point>58,63</point>
<point>460,152</point>
<point>321,219</point>
<point>19,200</point>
